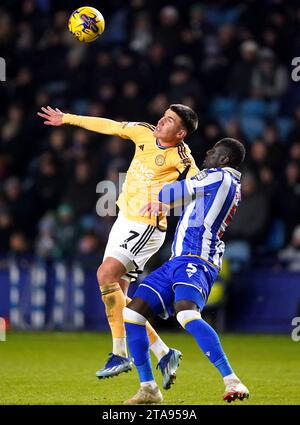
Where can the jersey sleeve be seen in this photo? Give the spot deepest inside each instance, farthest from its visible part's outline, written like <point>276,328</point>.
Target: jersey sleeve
<point>204,178</point>
<point>134,131</point>
<point>175,193</point>
<point>188,189</point>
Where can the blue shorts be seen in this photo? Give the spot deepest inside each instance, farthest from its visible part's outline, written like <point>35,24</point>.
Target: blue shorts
<point>181,278</point>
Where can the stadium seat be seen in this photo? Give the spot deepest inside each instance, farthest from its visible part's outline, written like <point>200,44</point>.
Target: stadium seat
<point>252,127</point>
<point>284,125</point>
<point>81,106</point>
<point>273,108</point>
<point>223,108</point>
<point>276,237</point>
<point>253,108</point>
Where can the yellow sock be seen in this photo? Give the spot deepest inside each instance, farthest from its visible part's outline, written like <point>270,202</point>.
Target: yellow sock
<point>153,336</point>
<point>114,301</point>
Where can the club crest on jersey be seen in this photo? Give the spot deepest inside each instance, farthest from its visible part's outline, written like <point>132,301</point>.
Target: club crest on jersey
<point>159,160</point>
<point>191,269</point>
<point>201,175</point>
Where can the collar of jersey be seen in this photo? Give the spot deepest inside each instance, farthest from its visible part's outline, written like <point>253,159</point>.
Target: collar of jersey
<point>236,173</point>
<point>166,147</point>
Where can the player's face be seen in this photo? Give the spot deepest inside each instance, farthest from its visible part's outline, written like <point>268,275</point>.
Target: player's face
<point>214,157</point>
<point>170,128</point>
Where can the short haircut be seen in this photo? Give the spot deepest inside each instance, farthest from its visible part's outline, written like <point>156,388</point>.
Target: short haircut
<point>188,117</point>
<point>235,149</point>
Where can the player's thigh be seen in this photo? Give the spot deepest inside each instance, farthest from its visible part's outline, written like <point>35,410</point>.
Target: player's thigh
<point>156,290</point>
<point>187,298</point>
<point>132,243</point>
<point>192,281</point>
<point>147,249</point>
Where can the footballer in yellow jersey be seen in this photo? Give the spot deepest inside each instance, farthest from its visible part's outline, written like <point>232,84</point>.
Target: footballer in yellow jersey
<point>161,156</point>
<point>152,167</point>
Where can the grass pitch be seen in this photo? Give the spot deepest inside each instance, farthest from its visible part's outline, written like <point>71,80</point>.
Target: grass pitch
<point>59,368</point>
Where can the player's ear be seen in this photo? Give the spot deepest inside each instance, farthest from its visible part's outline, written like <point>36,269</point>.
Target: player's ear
<point>224,160</point>
<point>182,133</point>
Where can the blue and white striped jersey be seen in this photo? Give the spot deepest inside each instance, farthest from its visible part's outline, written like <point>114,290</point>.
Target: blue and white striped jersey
<point>214,196</point>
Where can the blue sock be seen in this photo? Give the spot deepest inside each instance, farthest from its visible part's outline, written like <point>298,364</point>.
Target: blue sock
<point>209,343</point>
<point>138,343</point>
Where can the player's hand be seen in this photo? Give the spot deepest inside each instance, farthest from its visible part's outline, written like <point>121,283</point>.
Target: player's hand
<point>153,209</point>
<point>52,117</point>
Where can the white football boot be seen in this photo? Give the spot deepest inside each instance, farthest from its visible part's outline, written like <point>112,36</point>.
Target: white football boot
<point>235,390</point>
<point>146,395</point>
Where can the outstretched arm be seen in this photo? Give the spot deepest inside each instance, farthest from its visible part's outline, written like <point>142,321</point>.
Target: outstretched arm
<point>52,117</point>
<point>100,125</point>
<point>126,130</point>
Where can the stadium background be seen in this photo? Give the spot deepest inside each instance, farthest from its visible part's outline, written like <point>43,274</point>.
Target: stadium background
<point>231,62</point>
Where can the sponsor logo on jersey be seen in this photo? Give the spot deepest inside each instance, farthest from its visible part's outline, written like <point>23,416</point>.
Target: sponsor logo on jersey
<point>141,172</point>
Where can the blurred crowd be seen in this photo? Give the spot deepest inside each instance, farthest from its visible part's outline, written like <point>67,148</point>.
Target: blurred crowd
<point>229,60</point>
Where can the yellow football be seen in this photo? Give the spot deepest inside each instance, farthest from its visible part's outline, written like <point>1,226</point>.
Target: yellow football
<point>86,24</point>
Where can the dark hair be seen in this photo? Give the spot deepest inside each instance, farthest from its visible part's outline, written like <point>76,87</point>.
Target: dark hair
<point>188,117</point>
<point>235,149</point>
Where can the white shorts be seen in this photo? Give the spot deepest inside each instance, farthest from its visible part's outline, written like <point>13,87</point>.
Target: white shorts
<point>133,244</point>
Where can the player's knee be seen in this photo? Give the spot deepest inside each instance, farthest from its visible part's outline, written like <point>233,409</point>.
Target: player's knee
<point>132,316</point>
<point>185,316</point>
<point>105,275</point>
<point>99,275</point>
<point>111,270</point>
<point>185,305</point>
<point>140,306</point>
